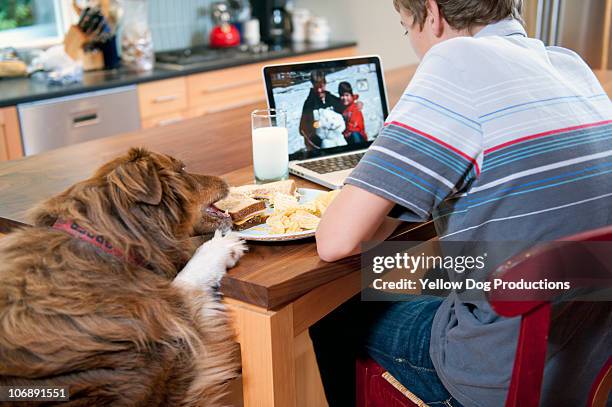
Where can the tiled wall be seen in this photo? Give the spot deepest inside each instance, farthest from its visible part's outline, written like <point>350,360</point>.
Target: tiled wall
<point>179,23</point>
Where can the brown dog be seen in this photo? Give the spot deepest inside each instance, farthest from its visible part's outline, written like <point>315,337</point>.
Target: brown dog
<point>89,298</point>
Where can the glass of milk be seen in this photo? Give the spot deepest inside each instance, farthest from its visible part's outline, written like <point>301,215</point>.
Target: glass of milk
<point>270,145</point>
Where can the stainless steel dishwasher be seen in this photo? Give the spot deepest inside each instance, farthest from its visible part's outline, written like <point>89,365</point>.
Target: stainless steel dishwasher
<point>59,122</point>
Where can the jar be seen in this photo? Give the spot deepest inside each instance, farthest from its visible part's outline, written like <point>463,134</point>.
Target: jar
<point>300,18</point>
<point>318,30</point>
<point>136,41</point>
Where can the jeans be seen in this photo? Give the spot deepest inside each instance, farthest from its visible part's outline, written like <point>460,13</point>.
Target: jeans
<point>395,334</point>
<point>354,138</point>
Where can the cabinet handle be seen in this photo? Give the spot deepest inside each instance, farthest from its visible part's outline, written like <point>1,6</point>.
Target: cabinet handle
<point>167,122</point>
<point>84,119</point>
<point>165,99</point>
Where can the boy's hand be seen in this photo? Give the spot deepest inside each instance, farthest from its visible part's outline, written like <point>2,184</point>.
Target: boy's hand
<point>373,224</point>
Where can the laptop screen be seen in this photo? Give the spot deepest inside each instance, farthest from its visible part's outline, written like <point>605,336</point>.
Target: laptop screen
<point>332,106</point>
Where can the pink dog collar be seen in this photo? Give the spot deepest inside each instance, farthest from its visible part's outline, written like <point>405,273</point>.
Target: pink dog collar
<point>73,228</point>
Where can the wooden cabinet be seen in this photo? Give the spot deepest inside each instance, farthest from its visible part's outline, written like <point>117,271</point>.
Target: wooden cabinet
<point>162,97</point>
<point>207,102</point>
<point>225,89</point>
<point>164,119</point>
<point>10,137</point>
<point>214,91</point>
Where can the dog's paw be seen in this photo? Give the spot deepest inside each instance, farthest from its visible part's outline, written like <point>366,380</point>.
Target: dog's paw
<point>229,245</point>
<point>212,259</point>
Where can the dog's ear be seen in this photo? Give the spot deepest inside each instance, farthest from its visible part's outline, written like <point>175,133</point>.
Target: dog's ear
<point>138,178</point>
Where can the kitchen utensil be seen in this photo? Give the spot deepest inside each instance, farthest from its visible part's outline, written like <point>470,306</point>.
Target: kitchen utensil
<point>93,39</point>
<point>224,34</point>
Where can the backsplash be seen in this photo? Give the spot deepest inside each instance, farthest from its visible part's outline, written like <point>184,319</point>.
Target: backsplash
<point>179,24</point>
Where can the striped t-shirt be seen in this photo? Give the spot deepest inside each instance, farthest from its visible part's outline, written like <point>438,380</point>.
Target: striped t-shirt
<point>498,138</point>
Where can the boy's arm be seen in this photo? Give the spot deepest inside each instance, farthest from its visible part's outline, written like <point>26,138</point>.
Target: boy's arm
<point>360,121</point>
<point>430,148</point>
<point>336,103</point>
<point>355,216</point>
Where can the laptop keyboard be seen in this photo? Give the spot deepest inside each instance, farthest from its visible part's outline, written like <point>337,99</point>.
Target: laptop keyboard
<point>333,164</point>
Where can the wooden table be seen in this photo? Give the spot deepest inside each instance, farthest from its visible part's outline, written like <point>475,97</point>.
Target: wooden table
<point>277,290</point>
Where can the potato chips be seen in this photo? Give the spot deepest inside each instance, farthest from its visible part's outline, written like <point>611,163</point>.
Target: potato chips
<point>282,202</point>
<point>290,216</point>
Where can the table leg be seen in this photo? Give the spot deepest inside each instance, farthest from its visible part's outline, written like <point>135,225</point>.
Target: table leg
<point>268,364</point>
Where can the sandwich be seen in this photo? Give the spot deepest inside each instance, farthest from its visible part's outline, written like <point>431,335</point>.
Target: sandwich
<point>244,211</point>
<point>266,191</point>
<point>246,205</point>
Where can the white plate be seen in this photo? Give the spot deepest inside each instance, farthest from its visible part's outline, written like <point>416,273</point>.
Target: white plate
<point>261,233</point>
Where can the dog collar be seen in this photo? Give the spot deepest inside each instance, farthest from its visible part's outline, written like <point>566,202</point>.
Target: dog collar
<point>73,228</point>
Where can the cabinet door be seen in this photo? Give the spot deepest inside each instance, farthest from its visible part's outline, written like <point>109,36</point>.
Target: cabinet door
<point>164,119</point>
<point>162,97</point>
<point>201,87</point>
<point>214,102</point>
<point>10,137</point>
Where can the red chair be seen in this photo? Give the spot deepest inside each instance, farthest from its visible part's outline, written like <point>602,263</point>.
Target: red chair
<point>377,388</point>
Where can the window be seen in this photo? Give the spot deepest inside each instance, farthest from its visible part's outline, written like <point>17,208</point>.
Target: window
<point>31,23</point>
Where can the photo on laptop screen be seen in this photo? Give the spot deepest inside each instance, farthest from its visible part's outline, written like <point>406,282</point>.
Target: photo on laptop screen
<point>329,104</point>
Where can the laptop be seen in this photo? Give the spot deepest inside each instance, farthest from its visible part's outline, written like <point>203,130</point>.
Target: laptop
<point>329,132</point>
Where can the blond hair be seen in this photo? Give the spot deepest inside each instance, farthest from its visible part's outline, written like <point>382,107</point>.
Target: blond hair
<point>464,14</point>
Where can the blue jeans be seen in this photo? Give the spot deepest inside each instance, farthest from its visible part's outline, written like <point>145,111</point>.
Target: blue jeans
<point>395,334</point>
<point>354,138</point>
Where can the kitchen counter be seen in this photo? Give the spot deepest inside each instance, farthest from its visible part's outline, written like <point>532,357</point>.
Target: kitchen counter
<point>22,90</point>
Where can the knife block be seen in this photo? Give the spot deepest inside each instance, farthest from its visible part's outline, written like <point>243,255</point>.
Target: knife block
<point>74,43</point>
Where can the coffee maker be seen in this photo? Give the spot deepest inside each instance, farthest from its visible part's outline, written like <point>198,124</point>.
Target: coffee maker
<point>274,21</point>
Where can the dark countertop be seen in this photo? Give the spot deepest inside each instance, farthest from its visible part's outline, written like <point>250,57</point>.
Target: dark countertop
<point>22,90</point>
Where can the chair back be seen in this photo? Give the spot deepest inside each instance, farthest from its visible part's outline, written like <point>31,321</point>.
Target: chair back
<point>556,261</point>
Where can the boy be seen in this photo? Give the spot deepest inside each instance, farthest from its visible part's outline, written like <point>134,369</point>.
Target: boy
<point>498,138</point>
<point>355,126</point>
